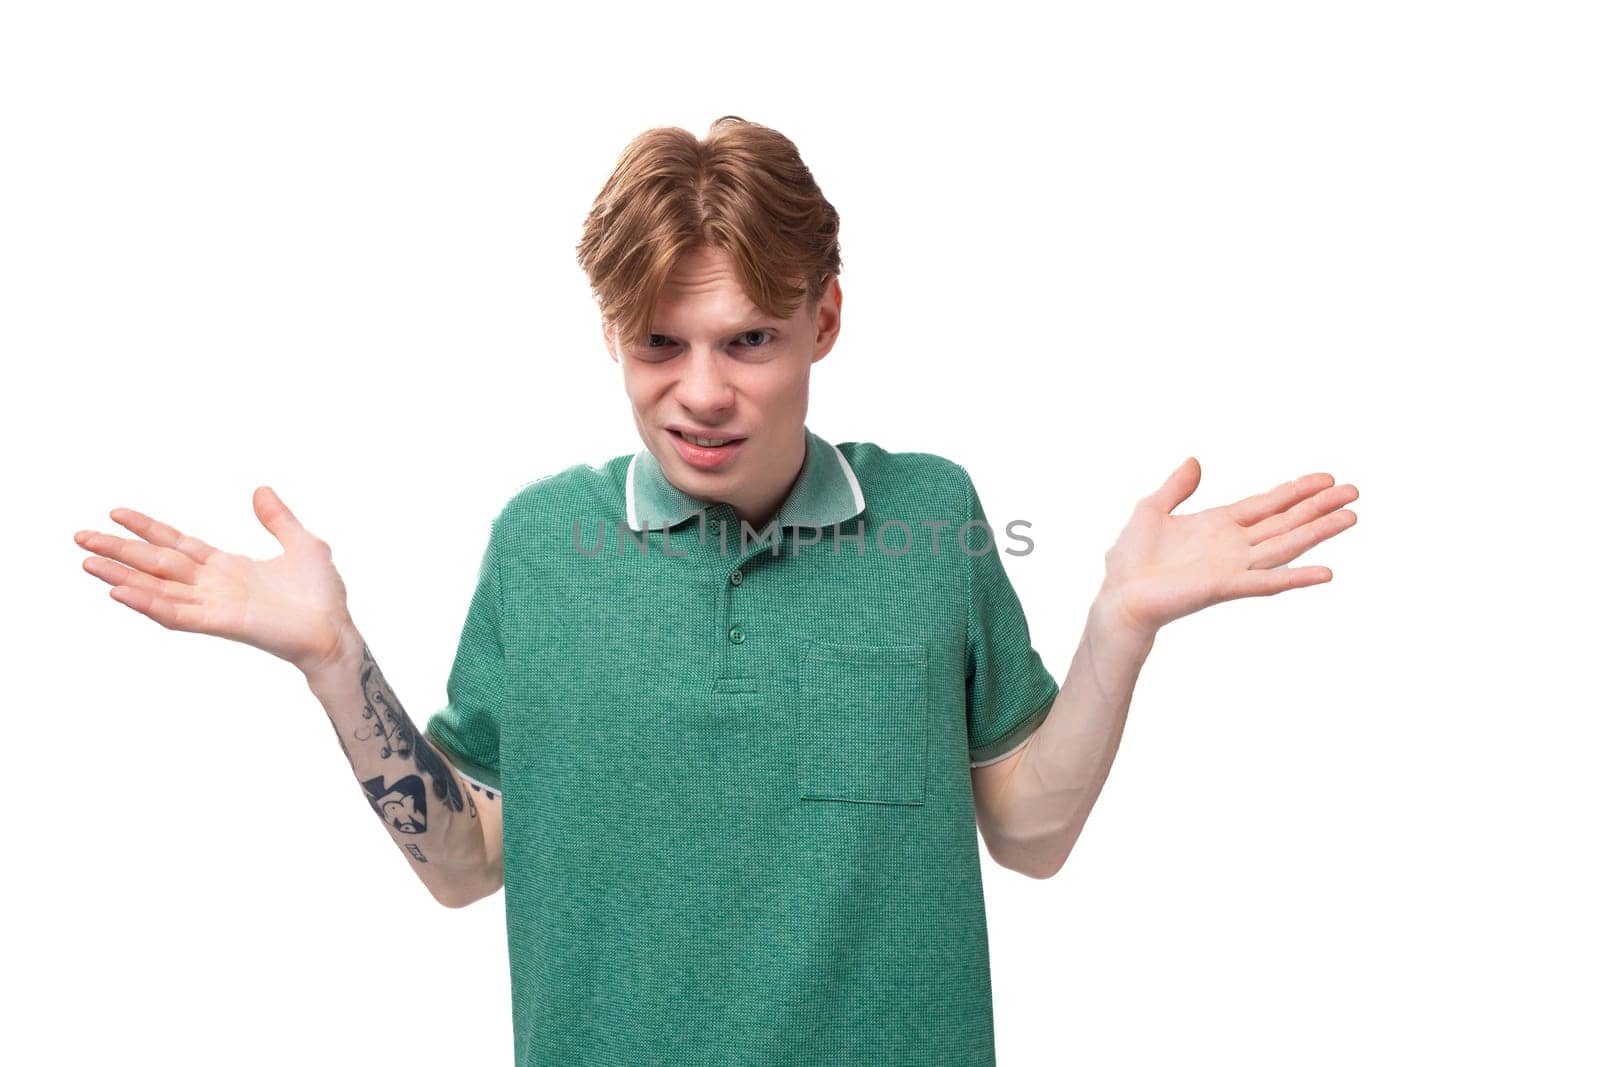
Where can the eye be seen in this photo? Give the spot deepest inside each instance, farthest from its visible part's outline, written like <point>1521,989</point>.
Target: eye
<point>656,348</point>
<point>744,338</point>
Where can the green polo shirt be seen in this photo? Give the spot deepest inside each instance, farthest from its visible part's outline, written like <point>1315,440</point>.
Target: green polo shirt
<point>736,780</point>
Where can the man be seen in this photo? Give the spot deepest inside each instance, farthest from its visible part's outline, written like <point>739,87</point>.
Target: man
<point>726,710</point>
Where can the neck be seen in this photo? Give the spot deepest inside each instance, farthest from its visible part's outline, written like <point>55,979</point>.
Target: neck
<point>762,510</point>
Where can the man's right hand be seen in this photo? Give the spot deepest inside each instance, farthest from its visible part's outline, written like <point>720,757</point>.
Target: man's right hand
<point>292,605</point>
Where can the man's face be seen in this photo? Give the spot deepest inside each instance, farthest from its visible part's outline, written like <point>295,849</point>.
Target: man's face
<point>715,366</point>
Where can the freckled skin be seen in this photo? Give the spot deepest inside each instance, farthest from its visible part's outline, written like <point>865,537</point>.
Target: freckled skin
<point>709,367</point>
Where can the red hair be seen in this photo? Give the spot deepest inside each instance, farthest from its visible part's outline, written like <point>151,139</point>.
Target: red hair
<point>743,189</point>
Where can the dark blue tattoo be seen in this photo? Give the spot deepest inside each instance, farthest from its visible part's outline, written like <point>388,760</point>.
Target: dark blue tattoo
<point>400,738</point>
<point>403,805</point>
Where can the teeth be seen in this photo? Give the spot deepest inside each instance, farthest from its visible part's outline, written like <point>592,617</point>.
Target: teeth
<point>706,442</point>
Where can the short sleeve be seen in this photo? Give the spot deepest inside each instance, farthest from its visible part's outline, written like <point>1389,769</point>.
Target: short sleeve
<point>1009,691</point>
<point>467,728</point>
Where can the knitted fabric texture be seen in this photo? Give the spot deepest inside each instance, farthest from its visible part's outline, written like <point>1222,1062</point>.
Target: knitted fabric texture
<point>738,815</point>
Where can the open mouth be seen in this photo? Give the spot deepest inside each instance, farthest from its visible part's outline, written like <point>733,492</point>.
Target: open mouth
<point>706,442</point>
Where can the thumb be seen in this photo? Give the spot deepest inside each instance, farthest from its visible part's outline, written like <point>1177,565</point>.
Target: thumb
<point>277,518</point>
<point>1180,484</point>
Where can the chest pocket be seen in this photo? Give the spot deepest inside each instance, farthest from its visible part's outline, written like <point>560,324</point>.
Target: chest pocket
<point>863,723</point>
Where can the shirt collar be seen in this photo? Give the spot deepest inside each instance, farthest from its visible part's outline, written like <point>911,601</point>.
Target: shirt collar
<point>826,492</point>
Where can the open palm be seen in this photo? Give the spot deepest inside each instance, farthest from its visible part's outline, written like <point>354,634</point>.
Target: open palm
<point>292,605</point>
<point>1165,566</point>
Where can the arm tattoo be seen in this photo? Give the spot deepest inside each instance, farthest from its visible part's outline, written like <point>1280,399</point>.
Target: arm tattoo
<point>399,737</point>
<point>403,805</point>
<point>417,852</point>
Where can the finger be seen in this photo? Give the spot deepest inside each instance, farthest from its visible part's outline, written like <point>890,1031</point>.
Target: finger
<point>277,518</point>
<point>152,559</point>
<point>1268,582</point>
<point>159,533</point>
<point>1285,547</point>
<point>116,574</point>
<point>1302,513</point>
<point>1178,486</point>
<point>172,615</point>
<point>1252,509</point>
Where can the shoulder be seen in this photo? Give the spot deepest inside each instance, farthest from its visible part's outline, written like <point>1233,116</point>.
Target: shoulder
<point>552,502</point>
<point>925,478</point>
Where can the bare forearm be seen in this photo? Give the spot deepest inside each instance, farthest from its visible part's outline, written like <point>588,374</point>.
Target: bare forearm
<point>427,809</point>
<point>1058,778</point>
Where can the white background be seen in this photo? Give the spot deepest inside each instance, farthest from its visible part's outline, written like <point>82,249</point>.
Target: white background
<point>330,248</point>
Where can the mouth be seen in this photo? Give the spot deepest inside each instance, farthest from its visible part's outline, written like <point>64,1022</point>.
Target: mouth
<point>695,451</point>
<point>704,442</point>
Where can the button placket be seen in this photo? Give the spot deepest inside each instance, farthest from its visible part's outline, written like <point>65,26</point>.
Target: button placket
<point>736,665</point>
<point>736,632</point>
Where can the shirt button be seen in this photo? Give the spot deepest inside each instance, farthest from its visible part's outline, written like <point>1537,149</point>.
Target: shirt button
<point>736,635</point>
<point>736,577</point>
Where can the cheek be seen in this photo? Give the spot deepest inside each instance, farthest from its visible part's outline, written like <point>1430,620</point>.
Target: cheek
<point>779,382</point>
<point>791,390</point>
<point>643,387</point>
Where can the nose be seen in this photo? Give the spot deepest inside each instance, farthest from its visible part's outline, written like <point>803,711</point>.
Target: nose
<point>704,390</point>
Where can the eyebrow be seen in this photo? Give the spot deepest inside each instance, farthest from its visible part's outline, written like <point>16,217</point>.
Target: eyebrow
<point>747,325</point>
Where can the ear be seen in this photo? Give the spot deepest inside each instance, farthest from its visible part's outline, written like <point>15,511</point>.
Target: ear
<point>605,336</point>
<point>827,318</point>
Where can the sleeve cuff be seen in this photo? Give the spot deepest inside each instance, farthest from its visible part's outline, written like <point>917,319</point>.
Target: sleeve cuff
<point>1008,743</point>
<point>470,770</point>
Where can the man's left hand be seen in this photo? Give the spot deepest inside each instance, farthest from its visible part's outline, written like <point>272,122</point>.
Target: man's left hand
<point>1166,566</point>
